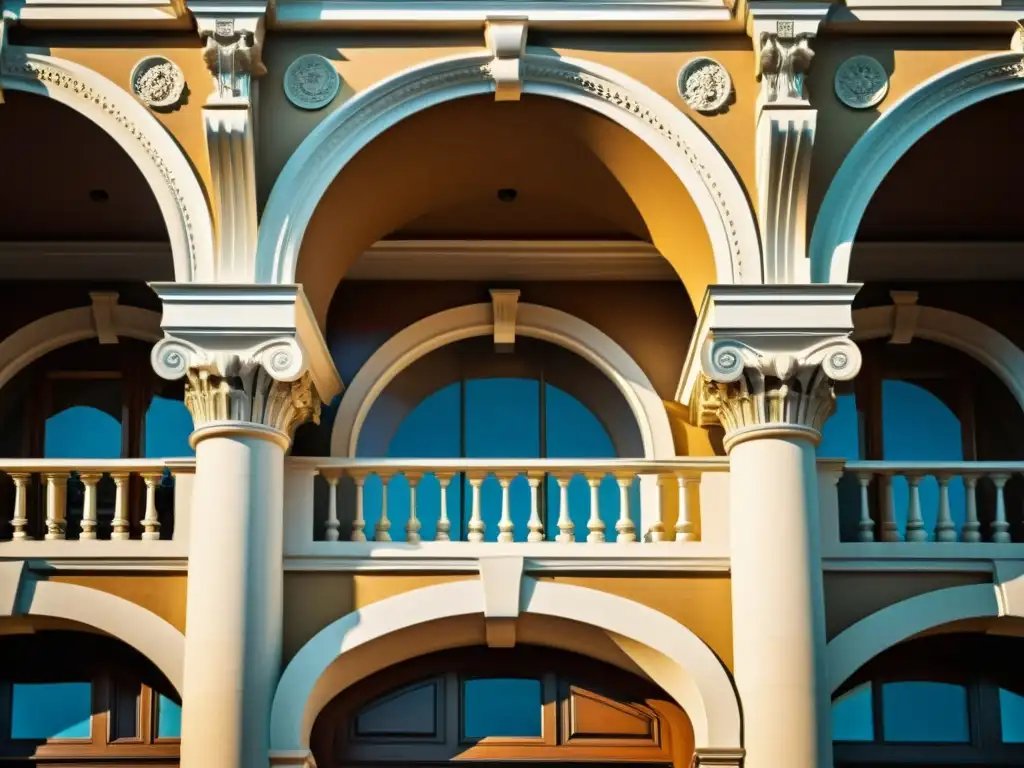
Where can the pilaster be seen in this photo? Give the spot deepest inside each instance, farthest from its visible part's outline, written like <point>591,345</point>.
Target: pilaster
<point>766,357</point>
<point>233,38</point>
<point>249,353</point>
<point>783,34</point>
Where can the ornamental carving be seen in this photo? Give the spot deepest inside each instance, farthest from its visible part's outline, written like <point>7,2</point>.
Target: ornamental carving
<point>158,82</point>
<point>745,387</point>
<point>705,85</point>
<point>264,385</point>
<point>861,82</point>
<point>783,61</point>
<point>311,82</point>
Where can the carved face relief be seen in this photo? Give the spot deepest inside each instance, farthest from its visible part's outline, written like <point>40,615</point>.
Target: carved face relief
<point>705,85</point>
<point>158,82</point>
<point>861,82</point>
<point>311,82</point>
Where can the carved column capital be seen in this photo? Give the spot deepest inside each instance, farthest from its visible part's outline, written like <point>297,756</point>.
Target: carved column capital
<point>248,354</point>
<point>233,39</point>
<point>768,357</point>
<point>782,38</point>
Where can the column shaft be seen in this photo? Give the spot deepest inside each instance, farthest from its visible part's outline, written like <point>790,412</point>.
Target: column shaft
<point>235,595</point>
<point>778,603</point>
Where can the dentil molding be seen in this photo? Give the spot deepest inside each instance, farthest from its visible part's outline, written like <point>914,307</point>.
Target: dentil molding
<point>249,353</point>
<point>769,356</point>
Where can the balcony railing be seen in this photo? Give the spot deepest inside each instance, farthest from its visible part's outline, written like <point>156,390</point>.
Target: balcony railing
<point>92,505</point>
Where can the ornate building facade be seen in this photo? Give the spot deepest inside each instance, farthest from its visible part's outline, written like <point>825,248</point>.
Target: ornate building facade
<point>392,383</point>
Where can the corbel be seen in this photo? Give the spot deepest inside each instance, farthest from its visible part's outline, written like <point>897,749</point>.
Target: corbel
<point>506,38</point>
<point>904,316</point>
<point>233,40</point>
<point>782,34</point>
<point>504,303</point>
<point>502,582</point>
<point>103,304</point>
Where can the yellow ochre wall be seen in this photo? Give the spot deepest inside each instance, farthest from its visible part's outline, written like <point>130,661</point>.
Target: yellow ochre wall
<point>163,594</point>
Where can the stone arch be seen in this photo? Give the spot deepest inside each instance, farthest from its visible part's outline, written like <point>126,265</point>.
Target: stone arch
<point>32,341</point>
<point>143,630</point>
<point>887,140</point>
<point>692,157</point>
<point>689,671</point>
<point>855,646</point>
<point>986,345</point>
<point>163,164</point>
<point>532,320</point>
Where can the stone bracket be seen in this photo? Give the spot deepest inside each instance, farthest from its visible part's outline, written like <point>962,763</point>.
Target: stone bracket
<point>504,303</point>
<point>502,582</point>
<point>506,38</point>
<point>781,32</point>
<point>103,305</point>
<point>233,37</point>
<point>904,318</point>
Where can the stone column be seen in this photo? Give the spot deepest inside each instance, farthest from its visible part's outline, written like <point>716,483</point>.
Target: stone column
<point>247,392</point>
<point>771,389</point>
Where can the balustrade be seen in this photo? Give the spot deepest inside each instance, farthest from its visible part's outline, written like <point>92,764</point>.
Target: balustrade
<point>504,501</point>
<point>929,502</point>
<point>89,499</point>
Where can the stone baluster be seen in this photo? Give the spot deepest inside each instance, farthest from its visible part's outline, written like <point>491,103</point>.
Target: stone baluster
<point>890,530</point>
<point>444,525</point>
<point>150,518</point>
<point>625,530</point>
<point>56,505</point>
<point>20,521</point>
<point>566,529</point>
<point>1000,527</point>
<point>332,528</point>
<point>972,526</point>
<point>506,528</point>
<point>915,523</point>
<point>865,525</point>
<point>684,523</point>
<point>413,524</point>
<point>382,531</point>
<point>595,525</point>
<point>119,527</point>
<point>476,520</point>
<point>359,523</point>
<point>89,516</point>
<point>535,524</point>
<point>945,528</point>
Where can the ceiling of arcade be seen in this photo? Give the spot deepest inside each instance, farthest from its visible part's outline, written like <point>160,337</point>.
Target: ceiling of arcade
<point>446,173</point>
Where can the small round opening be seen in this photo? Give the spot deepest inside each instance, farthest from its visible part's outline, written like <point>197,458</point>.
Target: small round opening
<point>99,195</point>
<point>507,195</point>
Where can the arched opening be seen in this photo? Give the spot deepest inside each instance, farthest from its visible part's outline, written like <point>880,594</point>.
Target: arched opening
<point>944,699</point>
<point>73,695</point>
<point>921,403</point>
<point>527,704</point>
<point>89,400</point>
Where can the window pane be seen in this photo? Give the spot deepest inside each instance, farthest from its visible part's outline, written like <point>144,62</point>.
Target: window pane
<point>51,711</point>
<point>168,719</point>
<point>501,707</point>
<point>82,432</point>
<point>925,712</point>
<point>853,716</point>
<point>1011,716</point>
<point>168,426</point>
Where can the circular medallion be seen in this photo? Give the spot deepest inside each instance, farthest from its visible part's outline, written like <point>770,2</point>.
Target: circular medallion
<point>158,82</point>
<point>311,82</point>
<point>861,82</point>
<point>705,85</point>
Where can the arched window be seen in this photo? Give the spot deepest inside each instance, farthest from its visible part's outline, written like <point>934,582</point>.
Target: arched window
<point>93,401</point>
<point>941,700</point>
<point>467,400</point>
<point>86,699</point>
<point>523,704</point>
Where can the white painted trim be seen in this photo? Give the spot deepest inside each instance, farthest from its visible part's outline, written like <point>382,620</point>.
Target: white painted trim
<point>986,345</point>
<point>887,140</point>
<point>162,162</point>
<point>32,341</point>
<point>696,161</point>
<point>532,320</point>
<point>108,14</point>
<point>146,632</point>
<point>700,683</point>
<point>852,648</point>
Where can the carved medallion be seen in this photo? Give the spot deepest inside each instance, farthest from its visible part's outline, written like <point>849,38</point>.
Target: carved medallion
<point>861,82</point>
<point>158,82</point>
<point>705,85</point>
<point>311,82</point>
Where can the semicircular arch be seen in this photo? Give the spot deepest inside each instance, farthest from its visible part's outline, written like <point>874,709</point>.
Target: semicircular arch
<point>532,320</point>
<point>694,160</point>
<point>158,157</point>
<point>887,140</point>
<point>694,675</point>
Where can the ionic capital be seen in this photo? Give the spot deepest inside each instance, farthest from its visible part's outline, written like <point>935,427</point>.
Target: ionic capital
<point>249,354</point>
<point>768,357</point>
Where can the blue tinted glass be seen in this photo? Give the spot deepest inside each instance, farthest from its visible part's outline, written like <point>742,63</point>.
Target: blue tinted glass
<point>1011,716</point>
<point>840,438</point>
<point>82,432</point>
<point>917,426</point>
<point>925,712</point>
<point>51,711</point>
<point>168,720</point>
<point>852,715</point>
<point>501,707</point>
<point>168,426</point>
